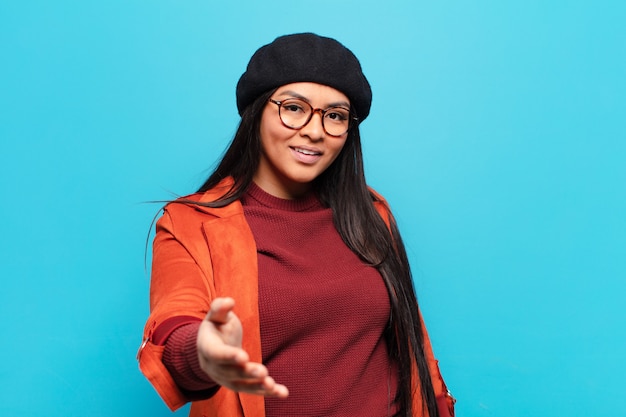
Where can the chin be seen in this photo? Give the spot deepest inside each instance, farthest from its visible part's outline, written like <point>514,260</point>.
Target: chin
<point>303,180</point>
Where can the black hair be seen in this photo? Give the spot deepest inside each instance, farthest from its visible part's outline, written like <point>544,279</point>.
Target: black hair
<point>342,188</point>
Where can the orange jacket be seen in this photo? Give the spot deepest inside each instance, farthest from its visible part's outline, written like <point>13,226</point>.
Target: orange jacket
<point>201,253</point>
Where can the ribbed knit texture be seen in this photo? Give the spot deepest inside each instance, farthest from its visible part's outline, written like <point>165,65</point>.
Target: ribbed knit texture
<point>322,311</point>
<point>180,357</point>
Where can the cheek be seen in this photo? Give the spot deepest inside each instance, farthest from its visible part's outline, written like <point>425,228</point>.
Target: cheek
<point>263,130</point>
<point>271,132</point>
<point>337,148</point>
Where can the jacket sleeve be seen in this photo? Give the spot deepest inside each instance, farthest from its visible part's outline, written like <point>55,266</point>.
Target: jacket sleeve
<point>180,285</point>
<point>445,401</point>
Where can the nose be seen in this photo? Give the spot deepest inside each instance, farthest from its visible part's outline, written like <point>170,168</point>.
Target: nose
<point>314,129</point>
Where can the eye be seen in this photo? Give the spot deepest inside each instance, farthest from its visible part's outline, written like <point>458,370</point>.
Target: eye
<point>337,114</point>
<point>294,106</point>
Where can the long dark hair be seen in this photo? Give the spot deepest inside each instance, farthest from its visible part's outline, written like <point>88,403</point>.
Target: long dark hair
<point>342,188</point>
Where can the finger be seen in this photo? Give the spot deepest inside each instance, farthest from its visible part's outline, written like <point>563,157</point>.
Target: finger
<point>250,373</point>
<point>220,309</point>
<point>266,387</point>
<point>273,389</point>
<point>254,370</point>
<point>249,377</point>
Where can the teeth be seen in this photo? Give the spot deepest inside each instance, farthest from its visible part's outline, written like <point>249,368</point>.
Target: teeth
<point>306,151</point>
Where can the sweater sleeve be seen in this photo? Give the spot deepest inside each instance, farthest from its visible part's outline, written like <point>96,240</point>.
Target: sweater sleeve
<point>180,357</point>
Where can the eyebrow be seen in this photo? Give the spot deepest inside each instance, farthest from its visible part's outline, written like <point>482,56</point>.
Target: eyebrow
<point>301,97</point>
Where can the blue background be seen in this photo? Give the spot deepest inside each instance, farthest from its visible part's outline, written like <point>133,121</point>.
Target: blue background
<point>496,133</point>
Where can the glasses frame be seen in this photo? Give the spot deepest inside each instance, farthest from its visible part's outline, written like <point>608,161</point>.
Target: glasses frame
<point>353,119</point>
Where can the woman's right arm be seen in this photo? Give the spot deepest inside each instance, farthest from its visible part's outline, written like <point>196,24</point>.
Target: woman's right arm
<point>181,292</point>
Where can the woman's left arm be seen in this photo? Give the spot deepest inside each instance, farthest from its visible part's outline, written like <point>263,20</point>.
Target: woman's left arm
<point>445,400</point>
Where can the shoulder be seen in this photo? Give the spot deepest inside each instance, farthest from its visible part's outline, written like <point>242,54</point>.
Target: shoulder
<point>193,209</point>
<point>381,205</point>
<point>202,203</point>
<point>188,213</point>
<point>376,196</point>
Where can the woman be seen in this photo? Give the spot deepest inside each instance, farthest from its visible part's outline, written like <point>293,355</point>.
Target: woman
<point>282,287</point>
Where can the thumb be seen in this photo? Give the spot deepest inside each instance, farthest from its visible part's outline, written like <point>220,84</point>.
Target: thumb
<point>220,311</point>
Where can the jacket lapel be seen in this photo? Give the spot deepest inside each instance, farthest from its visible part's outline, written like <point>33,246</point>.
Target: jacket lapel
<point>235,272</point>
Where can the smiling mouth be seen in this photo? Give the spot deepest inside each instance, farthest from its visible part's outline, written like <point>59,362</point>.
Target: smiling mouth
<point>307,151</point>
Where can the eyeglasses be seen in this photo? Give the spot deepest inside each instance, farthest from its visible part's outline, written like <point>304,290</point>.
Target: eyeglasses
<point>296,113</point>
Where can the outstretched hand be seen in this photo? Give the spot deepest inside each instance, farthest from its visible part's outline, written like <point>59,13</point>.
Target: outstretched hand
<point>223,359</point>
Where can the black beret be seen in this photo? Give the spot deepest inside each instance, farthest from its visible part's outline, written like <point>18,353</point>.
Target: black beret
<point>305,57</point>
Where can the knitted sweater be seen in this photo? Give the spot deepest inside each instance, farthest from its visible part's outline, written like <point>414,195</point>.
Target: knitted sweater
<point>322,313</point>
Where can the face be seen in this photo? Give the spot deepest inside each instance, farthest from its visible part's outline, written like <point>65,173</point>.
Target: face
<point>291,159</point>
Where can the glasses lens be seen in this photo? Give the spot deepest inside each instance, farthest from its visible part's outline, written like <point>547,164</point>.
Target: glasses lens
<point>336,120</point>
<point>295,113</point>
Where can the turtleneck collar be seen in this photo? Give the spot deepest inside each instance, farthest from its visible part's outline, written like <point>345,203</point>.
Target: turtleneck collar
<point>307,202</point>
